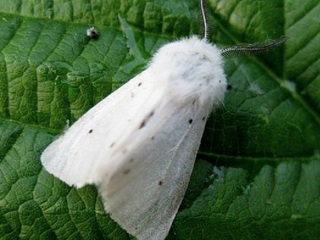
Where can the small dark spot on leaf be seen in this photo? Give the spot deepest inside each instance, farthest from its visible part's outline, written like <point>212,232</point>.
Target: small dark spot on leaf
<point>92,33</point>
<point>126,171</point>
<point>131,160</point>
<point>152,138</point>
<point>229,87</point>
<point>139,84</point>
<point>194,101</point>
<point>91,130</point>
<point>190,121</point>
<point>204,118</point>
<point>160,183</point>
<point>112,144</point>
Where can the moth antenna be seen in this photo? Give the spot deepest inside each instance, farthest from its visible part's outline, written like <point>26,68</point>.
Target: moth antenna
<point>203,14</point>
<point>256,48</point>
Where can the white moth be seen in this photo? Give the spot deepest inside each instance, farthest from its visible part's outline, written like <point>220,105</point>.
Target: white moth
<point>139,144</point>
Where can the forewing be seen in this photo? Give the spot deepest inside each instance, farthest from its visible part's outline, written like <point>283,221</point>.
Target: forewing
<point>144,190</point>
<point>76,156</point>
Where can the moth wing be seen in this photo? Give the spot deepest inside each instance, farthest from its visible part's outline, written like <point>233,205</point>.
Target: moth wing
<point>76,156</point>
<point>144,190</point>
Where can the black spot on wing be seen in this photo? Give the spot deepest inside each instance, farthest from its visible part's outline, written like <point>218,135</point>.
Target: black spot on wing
<point>143,123</point>
<point>146,119</point>
<point>91,130</point>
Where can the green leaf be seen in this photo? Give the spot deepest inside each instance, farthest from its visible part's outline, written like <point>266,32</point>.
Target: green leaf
<point>258,168</point>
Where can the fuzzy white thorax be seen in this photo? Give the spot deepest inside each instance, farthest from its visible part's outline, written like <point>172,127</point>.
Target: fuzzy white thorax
<point>192,67</point>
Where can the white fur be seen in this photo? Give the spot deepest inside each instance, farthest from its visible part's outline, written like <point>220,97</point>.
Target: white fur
<point>139,144</point>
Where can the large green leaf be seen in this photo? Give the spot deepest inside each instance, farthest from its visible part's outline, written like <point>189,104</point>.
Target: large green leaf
<point>258,169</point>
